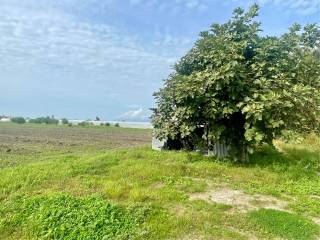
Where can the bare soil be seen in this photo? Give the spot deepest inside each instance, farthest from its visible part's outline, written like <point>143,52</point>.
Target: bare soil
<point>29,142</point>
<point>240,200</point>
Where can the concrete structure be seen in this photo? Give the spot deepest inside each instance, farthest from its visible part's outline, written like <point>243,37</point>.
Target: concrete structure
<point>5,119</point>
<point>157,144</point>
<point>218,150</point>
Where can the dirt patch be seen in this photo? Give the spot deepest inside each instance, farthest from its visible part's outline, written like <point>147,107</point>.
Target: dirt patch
<point>316,220</point>
<point>247,235</point>
<point>192,236</point>
<point>157,185</point>
<point>240,200</point>
<point>178,210</point>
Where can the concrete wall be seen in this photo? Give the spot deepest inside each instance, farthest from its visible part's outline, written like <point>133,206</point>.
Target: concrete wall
<point>157,144</point>
<point>218,150</point>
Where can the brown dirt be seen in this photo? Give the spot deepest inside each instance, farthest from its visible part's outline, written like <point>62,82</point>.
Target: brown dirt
<point>316,220</point>
<point>31,143</point>
<point>248,235</point>
<point>157,185</point>
<point>72,136</point>
<point>191,237</point>
<point>241,201</point>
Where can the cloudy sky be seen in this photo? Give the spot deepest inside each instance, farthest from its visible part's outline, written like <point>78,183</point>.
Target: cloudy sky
<point>87,58</point>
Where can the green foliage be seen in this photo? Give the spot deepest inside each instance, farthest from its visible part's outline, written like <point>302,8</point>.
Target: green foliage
<point>117,125</point>
<point>70,218</point>
<point>284,224</point>
<point>243,89</point>
<point>45,120</point>
<point>19,120</point>
<point>64,121</point>
<point>84,123</point>
<point>105,124</point>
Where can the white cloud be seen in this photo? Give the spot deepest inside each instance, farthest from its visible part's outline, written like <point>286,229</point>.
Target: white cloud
<point>50,50</point>
<point>45,39</point>
<point>302,7</point>
<point>202,7</point>
<point>136,115</point>
<point>174,6</point>
<point>135,2</point>
<point>192,4</point>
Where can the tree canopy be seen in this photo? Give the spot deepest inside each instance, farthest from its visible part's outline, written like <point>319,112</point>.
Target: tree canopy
<point>242,88</point>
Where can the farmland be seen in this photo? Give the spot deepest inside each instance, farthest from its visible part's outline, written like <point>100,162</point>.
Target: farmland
<point>34,142</point>
<point>60,182</point>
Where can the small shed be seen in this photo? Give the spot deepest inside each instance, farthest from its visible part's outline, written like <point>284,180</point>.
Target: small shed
<point>5,119</point>
<point>157,144</point>
<point>218,150</point>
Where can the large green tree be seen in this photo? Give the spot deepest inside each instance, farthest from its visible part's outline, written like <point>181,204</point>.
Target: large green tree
<point>239,87</point>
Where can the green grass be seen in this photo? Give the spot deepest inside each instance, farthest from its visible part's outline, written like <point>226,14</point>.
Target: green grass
<point>145,192</point>
<point>283,224</point>
<point>70,218</point>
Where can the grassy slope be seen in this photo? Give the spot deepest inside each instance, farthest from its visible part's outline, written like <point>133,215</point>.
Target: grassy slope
<point>150,191</point>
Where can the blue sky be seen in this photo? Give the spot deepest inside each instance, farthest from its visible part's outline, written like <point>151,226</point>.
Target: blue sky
<point>87,58</point>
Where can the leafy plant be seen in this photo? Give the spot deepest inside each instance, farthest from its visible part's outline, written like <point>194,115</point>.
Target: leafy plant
<point>84,123</point>
<point>64,121</point>
<point>283,224</point>
<point>240,88</point>
<point>45,120</point>
<point>19,120</point>
<point>70,218</point>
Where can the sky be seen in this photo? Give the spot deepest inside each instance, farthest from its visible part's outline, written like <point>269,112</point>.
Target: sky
<point>85,58</point>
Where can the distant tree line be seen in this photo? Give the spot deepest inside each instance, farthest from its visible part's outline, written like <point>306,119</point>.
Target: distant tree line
<point>64,121</point>
<point>44,120</point>
<point>19,120</point>
<point>52,120</point>
<point>39,120</point>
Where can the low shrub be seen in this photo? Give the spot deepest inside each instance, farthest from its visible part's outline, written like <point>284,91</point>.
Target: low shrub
<point>44,120</point>
<point>19,120</point>
<point>64,121</point>
<point>83,124</point>
<point>66,217</point>
<point>284,224</point>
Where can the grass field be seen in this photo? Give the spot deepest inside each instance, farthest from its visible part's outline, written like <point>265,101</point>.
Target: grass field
<point>106,183</point>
